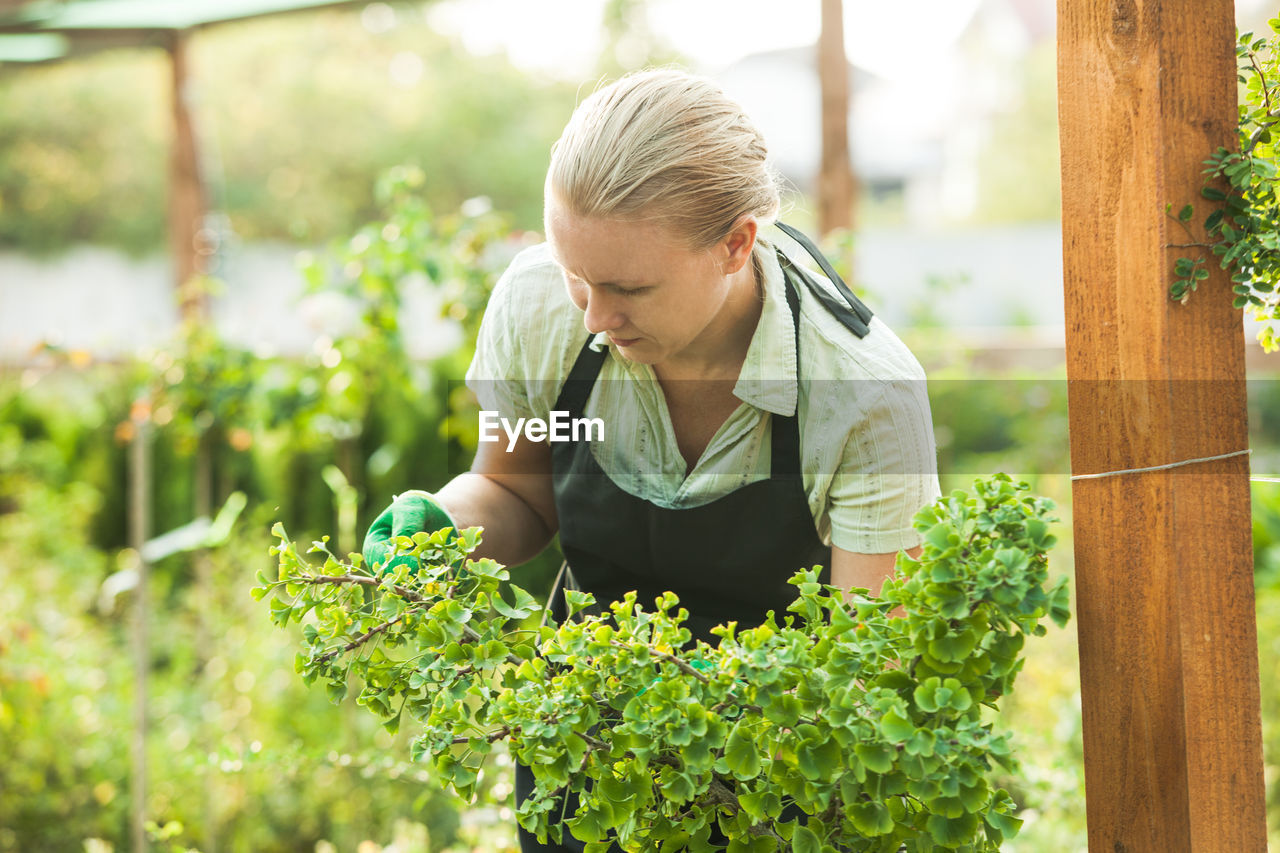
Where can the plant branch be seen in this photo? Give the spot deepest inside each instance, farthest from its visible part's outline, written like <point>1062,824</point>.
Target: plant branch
<point>684,667</point>
<point>366,636</point>
<point>362,580</point>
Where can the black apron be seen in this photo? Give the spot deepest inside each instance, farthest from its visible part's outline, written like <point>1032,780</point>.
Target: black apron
<point>727,560</point>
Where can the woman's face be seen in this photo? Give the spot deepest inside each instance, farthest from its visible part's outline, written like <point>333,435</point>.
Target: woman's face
<point>657,299</point>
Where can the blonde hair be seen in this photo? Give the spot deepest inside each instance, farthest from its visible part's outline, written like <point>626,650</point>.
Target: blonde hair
<point>665,146</point>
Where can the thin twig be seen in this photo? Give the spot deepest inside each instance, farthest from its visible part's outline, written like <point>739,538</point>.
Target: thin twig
<point>492,737</point>
<point>1262,79</point>
<point>366,636</point>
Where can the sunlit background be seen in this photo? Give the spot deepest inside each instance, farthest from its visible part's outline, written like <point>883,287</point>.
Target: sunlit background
<point>368,170</point>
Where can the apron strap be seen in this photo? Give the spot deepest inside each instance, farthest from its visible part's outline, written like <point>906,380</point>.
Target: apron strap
<point>784,443</point>
<point>855,315</point>
<point>577,388</point>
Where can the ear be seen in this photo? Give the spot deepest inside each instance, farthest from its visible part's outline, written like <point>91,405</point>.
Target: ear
<point>737,245</point>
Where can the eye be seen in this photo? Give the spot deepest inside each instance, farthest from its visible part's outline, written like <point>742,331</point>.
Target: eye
<point>574,282</point>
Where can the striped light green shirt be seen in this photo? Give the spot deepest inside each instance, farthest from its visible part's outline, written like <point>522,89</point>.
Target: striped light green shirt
<point>866,440</point>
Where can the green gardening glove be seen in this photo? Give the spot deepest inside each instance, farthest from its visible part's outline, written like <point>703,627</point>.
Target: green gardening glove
<point>413,512</point>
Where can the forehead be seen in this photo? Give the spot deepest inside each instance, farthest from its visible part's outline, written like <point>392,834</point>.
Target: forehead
<point>613,251</point>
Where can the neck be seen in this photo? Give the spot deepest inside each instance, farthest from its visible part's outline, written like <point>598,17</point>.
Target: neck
<point>722,348</point>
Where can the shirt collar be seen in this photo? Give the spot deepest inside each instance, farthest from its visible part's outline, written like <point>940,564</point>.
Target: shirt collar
<point>768,379</point>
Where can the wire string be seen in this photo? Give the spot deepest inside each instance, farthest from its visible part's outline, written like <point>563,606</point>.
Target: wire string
<point>1196,461</point>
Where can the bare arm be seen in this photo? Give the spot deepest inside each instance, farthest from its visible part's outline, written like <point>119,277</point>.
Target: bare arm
<point>510,496</point>
<point>864,570</point>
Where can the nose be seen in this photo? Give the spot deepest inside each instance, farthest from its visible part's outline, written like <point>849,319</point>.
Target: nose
<point>600,312</point>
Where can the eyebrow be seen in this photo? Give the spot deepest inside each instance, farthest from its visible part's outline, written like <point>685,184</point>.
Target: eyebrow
<point>619,283</point>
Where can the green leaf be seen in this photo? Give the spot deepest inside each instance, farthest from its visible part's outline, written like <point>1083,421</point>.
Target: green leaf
<point>896,728</point>
<point>576,600</point>
<point>805,841</point>
<point>818,761</point>
<point>870,819</point>
<point>676,786</point>
<point>1186,213</point>
<point>953,647</point>
<point>939,536</point>
<point>783,710</point>
<point>503,608</point>
<point>762,805</point>
<point>586,825</point>
<point>922,742</point>
<point>741,754</point>
<point>952,832</point>
<point>1060,603</point>
<point>876,757</point>
<point>1007,825</point>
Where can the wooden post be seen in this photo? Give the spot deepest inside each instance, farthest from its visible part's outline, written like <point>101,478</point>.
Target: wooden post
<point>186,188</point>
<point>206,642</point>
<point>835,177</point>
<point>139,533</point>
<point>1164,571</point>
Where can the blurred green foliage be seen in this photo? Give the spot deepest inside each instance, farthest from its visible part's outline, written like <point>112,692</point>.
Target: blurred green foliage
<point>280,770</point>
<point>1266,550</point>
<point>83,144</point>
<point>237,752</point>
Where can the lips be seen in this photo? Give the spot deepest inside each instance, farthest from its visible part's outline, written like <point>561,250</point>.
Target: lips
<point>623,342</point>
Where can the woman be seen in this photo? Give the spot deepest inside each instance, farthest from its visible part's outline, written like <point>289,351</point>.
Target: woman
<point>756,418</point>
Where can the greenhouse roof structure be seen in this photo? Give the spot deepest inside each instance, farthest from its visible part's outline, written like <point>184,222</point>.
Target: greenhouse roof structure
<point>33,31</point>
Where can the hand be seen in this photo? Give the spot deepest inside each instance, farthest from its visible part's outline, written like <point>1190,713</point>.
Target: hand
<point>410,513</point>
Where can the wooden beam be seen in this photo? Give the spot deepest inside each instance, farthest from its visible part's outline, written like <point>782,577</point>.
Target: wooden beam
<point>1164,572</point>
<point>186,187</point>
<point>835,177</point>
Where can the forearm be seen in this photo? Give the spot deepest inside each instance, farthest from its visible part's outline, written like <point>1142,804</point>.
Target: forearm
<point>513,531</point>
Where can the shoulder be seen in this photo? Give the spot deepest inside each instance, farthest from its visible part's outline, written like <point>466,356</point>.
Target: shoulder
<point>869,389</point>
<point>530,333</point>
<point>531,309</point>
<point>829,350</point>
<point>531,281</point>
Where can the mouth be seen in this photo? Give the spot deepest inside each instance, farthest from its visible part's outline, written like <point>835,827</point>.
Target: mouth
<point>623,342</point>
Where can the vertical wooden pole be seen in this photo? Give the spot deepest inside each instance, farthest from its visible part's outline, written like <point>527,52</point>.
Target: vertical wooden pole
<point>835,178</point>
<point>205,635</point>
<point>139,533</point>
<point>186,188</point>
<point>1168,645</point>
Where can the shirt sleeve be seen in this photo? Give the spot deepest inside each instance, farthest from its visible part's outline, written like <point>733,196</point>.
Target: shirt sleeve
<point>887,472</point>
